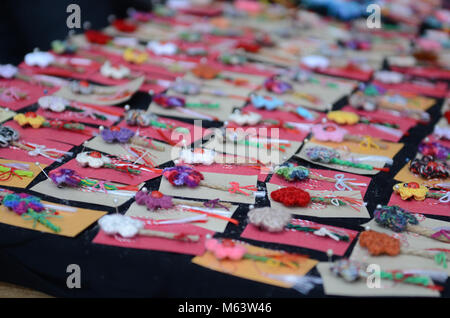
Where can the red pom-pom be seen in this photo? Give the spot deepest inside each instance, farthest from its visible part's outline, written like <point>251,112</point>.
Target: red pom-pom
<point>291,196</point>
<point>97,37</point>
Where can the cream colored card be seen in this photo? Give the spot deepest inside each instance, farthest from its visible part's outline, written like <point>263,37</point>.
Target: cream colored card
<point>213,224</point>
<point>145,32</point>
<point>216,179</point>
<point>408,240</point>
<point>107,199</point>
<point>104,95</point>
<point>264,155</point>
<point>115,149</point>
<point>320,210</point>
<point>71,223</point>
<point>339,287</point>
<point>344,156</point>
<point>326,95</point>
<point>6,114</point>
<point>226,106</point>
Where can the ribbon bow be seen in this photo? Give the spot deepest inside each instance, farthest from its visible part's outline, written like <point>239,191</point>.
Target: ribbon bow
<point>42,150</point>
<point>325,232</point>
<point>214,203</point>
<point>341,184</point>
<point>235,187</point>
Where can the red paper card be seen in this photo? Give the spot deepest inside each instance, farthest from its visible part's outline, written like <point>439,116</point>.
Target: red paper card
<point>69,137</point>
<point>232,169</point>
<point>427,72</point>
<point>349,73</point>
<point>381,115</point>
<point>427,206</point>
<point>303,239</point>
<point>160,244</point>
<point>9,97</point>
<point>438,90</point>
<point>110,174</point>
<point>22,155</point>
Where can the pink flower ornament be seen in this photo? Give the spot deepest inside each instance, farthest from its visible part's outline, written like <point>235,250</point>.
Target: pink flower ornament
<point>328,132</point>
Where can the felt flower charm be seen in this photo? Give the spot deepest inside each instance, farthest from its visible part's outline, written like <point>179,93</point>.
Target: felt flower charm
<point>245,118</point>
<point>277,86</point>
<point>134,56</point>
<point>115,72</point>
<point>81,87</point>
<point>8,71</point>
<point>119,134</point>
<point>22,202</point>
<point>92,159</point>
<point>227,249</point>
<point>41,59</point>
<point>30,118</point>
<point>291,196</point>
<point>291,173</point>
<point>315,61</point>
<point>53,103</point>
<point>328,132</point>
<point>267,102</point>
<point>123,225</point>
<point>97,37</point>
<point>65,177</point>
<point>169,101</point>
<point>182,175</point>
<point>343,118</point>
<point>388,77</point>
<point>411,189</point>
<point>155,200</point>
<point>160,48</point>
<point>270,219</point>
<point>205,71</point>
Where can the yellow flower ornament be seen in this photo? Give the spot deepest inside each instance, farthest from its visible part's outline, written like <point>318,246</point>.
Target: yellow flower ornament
<point>411,189</point>
<point>29,118</point>
<point>343,118</point>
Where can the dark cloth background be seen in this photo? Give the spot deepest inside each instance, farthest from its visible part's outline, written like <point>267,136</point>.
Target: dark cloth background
<point>39,260</point>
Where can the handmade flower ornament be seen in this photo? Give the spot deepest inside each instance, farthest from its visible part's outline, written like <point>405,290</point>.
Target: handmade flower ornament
<point>8,71</point>
<point>315,61</point>
<point>41,59</point>
<point>197,156</point>
<point>81,87</point>
<point>65,177</point>
<point>227,249</point>
<point>277,86</point>
<point>117,134</point>
<point>30,208</point>
<point>154,200</point>
<point>435,149</point>
<point>411,190</point>
<point>185,87</point>
<point>127,227</point>
<point>382,244</point>
<point>53,103</point>
<point>133,56</point>
<point>245,118</point>
<point>92,159</point>
<point>343,118</point>
<point>389,77</point>
<point>270,219</point>
<point>400,220</point>
<point>159,48</point>
<point>124,26</point>
<point>328,132</point>
<point>267,102</point>
<point>205,71</point>
<point>428,168</point>
<point>30,118</point>
<point>116,72</point>
<point>97,37</point>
